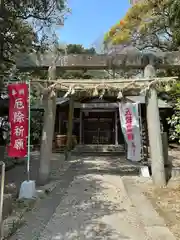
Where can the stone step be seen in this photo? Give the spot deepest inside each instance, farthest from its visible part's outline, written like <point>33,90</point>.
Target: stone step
<point>99,148</point>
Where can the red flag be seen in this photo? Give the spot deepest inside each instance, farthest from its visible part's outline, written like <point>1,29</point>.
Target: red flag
<point>18,118</point>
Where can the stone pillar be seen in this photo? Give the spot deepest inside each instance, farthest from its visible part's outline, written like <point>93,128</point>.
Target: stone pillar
<point>154,133</point>
<point>49,100</point>
<point>70,127</point>
<point>165,148</point>
<point>116,128</point>
<point>80,128</point>
<point>47,138</point>
<point>60,121</point>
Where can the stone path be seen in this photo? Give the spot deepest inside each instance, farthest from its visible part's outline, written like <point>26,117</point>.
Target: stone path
<point>88,203</point>
<point>38,218</point>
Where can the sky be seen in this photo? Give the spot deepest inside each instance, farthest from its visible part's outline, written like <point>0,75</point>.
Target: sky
<point>90,19</point>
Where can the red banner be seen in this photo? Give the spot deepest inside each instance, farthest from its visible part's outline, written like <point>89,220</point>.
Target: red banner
<point>18,118</point>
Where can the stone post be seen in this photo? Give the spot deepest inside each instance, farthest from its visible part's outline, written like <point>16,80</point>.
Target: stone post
<point>80,127</point>
<point>49,102</point>
<point>47,139</point>
<point>165,148</point>
<point>70,127</point>
<point>116,128</point>
<point>154,133</point>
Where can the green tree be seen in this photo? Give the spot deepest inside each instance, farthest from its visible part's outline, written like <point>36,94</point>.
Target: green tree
<point>153,25</point>
<point>174,120</point>
<point>21,25</point>
<point>75,49</point>
<point>149,24</point>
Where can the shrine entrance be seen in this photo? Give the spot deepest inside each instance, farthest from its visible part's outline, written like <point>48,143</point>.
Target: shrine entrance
<point>98,127</point>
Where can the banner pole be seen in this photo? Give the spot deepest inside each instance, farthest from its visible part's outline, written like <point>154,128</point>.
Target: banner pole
<point>2,198</point>
<point>141,132</point>
<point>28,187</point>
<point>29,130</point>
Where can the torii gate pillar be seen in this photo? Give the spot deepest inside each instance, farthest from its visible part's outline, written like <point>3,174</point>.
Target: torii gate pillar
<point>154,132</point>
<point>49,100</point>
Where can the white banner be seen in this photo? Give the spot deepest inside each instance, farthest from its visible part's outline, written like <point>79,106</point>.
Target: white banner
<point>129,120</point>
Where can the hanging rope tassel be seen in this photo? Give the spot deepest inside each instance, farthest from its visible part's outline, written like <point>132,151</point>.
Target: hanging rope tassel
<point>68,93</point>
<point>95,92</point>
<point>102,94</point>
<point>120,95</point>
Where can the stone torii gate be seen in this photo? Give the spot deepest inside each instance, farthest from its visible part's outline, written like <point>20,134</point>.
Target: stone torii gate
<point>96,87</point>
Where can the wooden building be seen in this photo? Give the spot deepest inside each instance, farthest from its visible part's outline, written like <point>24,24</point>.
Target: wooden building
<point>96,121</point>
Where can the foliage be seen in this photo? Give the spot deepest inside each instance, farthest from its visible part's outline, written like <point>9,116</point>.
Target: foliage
<point>36,126</point>
<point>4,131</point>
<point>75,74</point>
<point>76,49</point>
<point>174,120</point>
<point>149,24</point>
<point>21,25</point>
<point>79,49</point>
<point>42,10</point>
<point>174,123</point>
<point>153,25</point>
<point>15,36</point>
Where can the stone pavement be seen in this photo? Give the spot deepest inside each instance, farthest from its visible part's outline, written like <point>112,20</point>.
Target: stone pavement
<point>91,203</point>
<point>37,219</point>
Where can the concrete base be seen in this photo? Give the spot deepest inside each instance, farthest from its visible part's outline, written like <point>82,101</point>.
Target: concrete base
<point>27,190</point>
<point>145,171</point>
